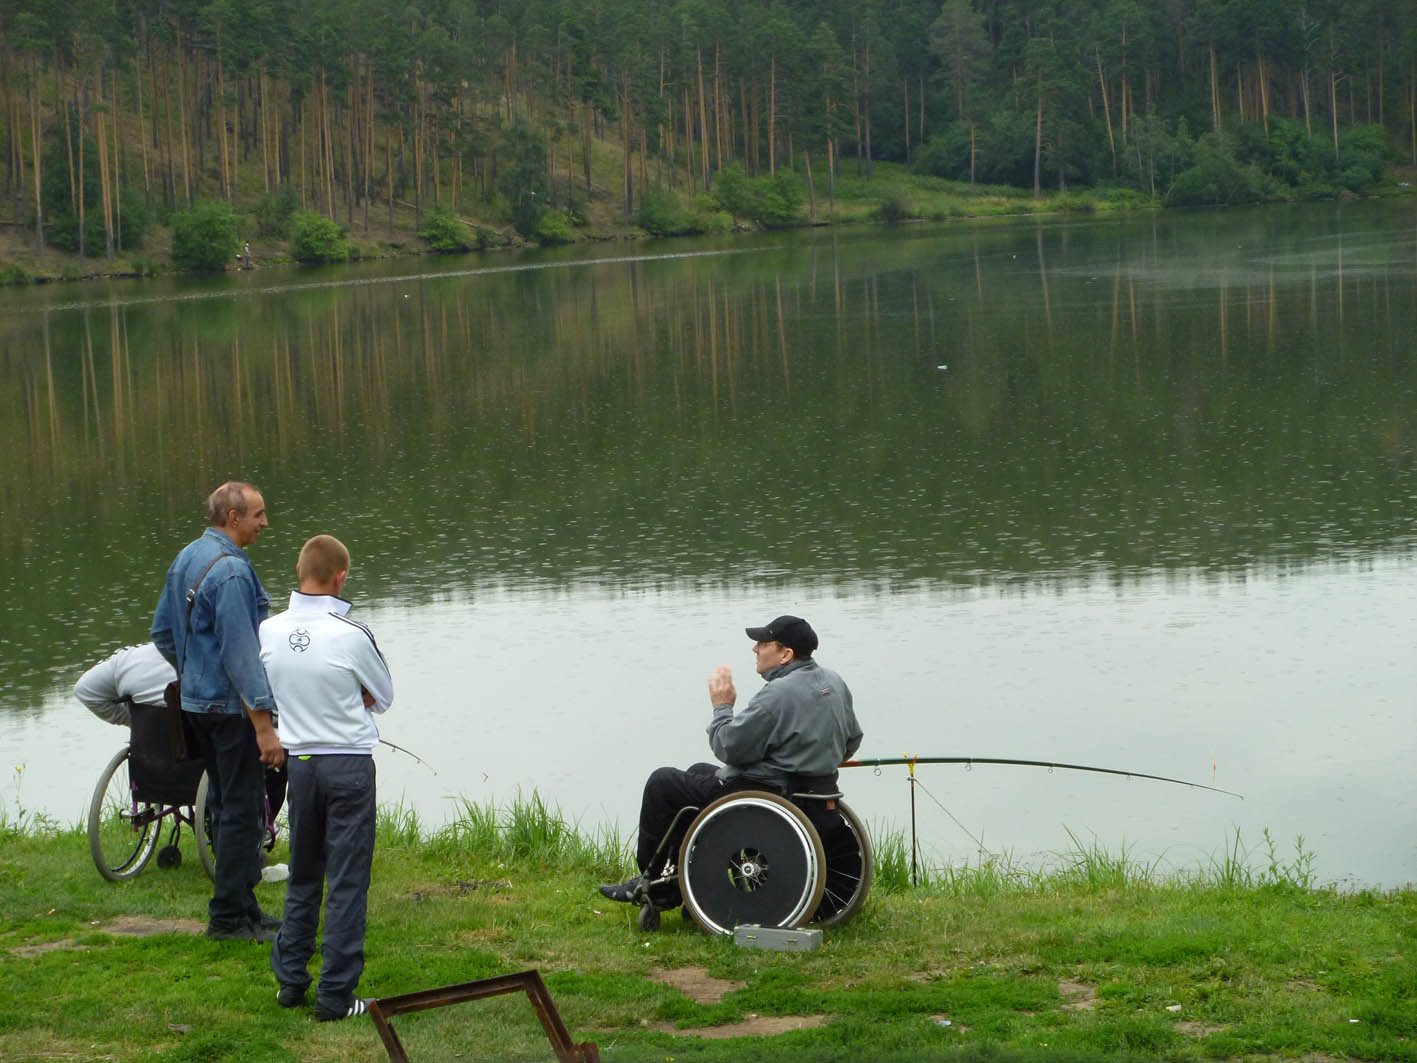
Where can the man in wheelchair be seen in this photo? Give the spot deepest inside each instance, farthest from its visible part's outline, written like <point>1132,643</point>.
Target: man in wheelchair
<point>790,739</point>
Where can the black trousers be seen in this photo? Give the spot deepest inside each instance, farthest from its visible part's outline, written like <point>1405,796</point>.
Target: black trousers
<point>236,803</point>
<point>331,803</point>
<point>667,790</point>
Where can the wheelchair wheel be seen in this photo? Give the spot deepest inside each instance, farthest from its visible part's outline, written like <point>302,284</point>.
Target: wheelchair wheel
<point>751,857</point>
<point>849,869</point>
<point>123,832</point>
<point>202,825</point>
<point>202,829</point>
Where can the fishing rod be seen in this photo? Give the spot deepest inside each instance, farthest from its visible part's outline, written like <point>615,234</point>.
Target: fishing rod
<point>1049,764</point>
<point>415,756</point>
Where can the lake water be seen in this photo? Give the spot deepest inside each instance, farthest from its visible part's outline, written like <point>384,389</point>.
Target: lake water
<point>1136,493</point>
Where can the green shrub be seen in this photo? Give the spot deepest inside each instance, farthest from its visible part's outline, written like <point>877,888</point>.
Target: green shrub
<point>445,232</point>
<point>779,199</point>
<point>661,213</point>
<point>554,228</point>
<point>10,273</point>
<point>489,238</point>
<point>773,202</point>
<point>894,207</point>
<point>272,212</point>
<point>131,224</point>
<point>314,238</point>
<point>733,192</point>
<point>207,237</point>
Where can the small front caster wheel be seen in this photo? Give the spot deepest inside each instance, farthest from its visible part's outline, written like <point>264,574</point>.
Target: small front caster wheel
<point>648,918</point>
<point>168,857</point>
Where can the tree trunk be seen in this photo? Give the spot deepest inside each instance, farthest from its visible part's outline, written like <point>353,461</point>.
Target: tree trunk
<point>720,112</point>
<point>905,87</point>
<point>1264,92</point>
<point>38,155</point>
<point>1038,150</point>
<point>1106,109</point>
<point>703,120</point>
<point>100,135</point>
<point>142,122</point>
<point>1214,89</point>
<point>183,127</point>
<point>867,109</point>
<point>811,192</point>
<point>1333,108</point>
<point>772,115</point>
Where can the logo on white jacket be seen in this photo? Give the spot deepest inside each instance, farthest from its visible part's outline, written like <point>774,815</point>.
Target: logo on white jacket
<point>300,640</point>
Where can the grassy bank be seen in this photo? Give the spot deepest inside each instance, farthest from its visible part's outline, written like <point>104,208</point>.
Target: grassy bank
<point>893,194</point>
<point>1094,958</point>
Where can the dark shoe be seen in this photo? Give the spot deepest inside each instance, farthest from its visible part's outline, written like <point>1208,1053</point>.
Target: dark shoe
<point>291,996</point>
<point>624,892</point>
<point>268,922</point>
<point>358,1007</point>
<point>241,932</point>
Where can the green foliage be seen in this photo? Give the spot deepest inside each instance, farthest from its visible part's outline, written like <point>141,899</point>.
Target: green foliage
<point>1218,178</point>
<point>314,238</point>
<point>207,237</point>
<point>553,227</point>
<point>13,274</point>
<point>489,238</point>
<point>445,232</point>
<point>895,207</point>
<point>664,214</point>
<point>132,222</point>
<point>773,201</point>
<point>272,212</point>
<point>523,183</point>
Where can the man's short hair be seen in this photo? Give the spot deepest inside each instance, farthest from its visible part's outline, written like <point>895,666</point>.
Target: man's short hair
<point>229,496</point>
<point>320,558</point>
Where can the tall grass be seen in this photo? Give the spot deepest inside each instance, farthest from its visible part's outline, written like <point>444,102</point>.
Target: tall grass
<point>527,830</point>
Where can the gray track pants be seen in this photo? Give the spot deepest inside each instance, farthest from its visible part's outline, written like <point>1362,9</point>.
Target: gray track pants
<point>331,803</point>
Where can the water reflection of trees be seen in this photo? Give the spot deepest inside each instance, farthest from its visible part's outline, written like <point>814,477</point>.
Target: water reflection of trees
<point>1108,406</point>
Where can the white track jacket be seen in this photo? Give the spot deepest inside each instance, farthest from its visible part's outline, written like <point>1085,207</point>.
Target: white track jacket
<point>319,662</point>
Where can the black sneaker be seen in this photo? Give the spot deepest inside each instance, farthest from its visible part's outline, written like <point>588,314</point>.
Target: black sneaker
<point>241,932</point>
<point>623,892</point>
<point>268,922</point>
<point>358,1007</point>
<point>291,996</point>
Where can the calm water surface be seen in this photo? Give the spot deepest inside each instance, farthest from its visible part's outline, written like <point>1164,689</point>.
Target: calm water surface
<point>1137,493</point>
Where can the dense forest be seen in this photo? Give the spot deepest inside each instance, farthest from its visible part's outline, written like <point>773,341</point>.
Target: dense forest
<point>117,113</point>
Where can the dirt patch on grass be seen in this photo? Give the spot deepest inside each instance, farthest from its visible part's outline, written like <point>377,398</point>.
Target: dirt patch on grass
<point>750,1026</point>
<point>1198,1029</point>
<point>489,888</point>
<point>1077,996</point>
<point>695,983</point>
<point>122,926</point>
<point>147,926</point>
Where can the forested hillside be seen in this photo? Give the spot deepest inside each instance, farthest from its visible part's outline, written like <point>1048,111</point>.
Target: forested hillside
<point>117,113</point>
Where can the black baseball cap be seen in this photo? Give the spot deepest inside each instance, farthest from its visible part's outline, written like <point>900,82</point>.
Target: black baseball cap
<point>792,631</point>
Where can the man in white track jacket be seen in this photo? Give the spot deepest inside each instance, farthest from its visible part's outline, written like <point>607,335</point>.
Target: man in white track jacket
<point>328,676</point>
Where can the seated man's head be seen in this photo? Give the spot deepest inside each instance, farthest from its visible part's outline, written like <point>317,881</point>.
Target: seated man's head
<point>786,639</point>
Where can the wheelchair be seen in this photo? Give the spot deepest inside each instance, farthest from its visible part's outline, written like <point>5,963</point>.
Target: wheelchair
<point>143,793</point>
<point>762,858</point>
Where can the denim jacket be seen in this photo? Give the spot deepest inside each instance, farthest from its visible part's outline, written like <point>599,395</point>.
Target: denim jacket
<point>220,656</point>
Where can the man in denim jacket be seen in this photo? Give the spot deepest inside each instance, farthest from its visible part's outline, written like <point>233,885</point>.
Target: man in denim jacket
<point>216,650</point>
